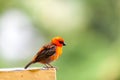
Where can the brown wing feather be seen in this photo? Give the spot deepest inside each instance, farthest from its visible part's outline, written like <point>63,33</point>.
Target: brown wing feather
<point>47,51</point>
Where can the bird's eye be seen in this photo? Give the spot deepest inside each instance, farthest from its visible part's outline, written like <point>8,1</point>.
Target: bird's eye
<point>61,42</point>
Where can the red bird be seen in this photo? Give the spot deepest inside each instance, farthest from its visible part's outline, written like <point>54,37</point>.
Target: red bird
<point>49,52</point>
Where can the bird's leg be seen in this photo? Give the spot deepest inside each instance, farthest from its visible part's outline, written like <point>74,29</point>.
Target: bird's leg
<point>51,65</point>
<point>46,66</point>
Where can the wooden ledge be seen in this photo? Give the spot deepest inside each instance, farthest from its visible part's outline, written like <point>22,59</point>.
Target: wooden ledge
<point>28,74</point>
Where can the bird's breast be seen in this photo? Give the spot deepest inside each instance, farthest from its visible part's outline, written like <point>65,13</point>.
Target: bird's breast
<point>57,53</point>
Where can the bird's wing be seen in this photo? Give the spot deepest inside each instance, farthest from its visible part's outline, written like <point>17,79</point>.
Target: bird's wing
<point>45,52</point>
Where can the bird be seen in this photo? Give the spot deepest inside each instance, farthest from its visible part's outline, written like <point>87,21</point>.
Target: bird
<point>48,53</point>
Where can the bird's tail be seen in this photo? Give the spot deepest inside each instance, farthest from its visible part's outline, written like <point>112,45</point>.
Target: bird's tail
<point>29,64</point>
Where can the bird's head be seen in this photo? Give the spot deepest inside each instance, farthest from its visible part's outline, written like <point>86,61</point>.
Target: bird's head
<point>58,41</point>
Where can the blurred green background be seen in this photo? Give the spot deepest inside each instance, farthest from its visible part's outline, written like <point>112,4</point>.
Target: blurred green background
<point>91,29</point>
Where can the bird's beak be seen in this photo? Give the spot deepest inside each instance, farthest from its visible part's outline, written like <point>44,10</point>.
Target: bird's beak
<point>64,44</point>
